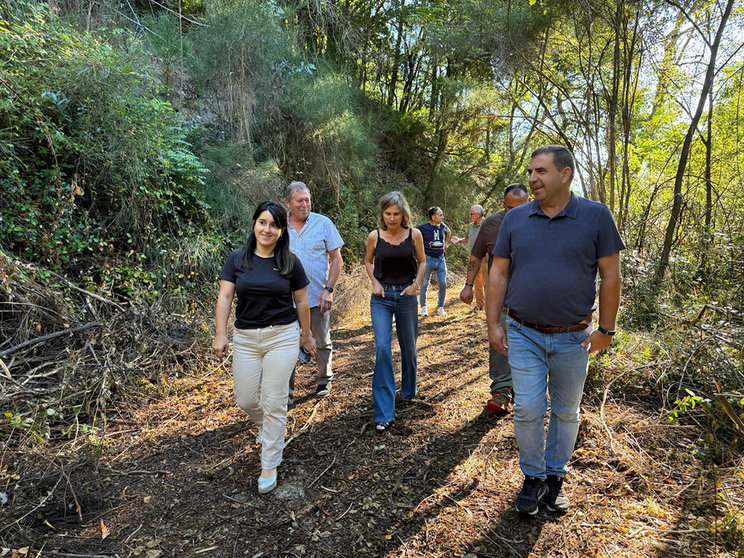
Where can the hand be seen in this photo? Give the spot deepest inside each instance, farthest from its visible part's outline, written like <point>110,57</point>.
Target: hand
<point>497,339</point>
<point>466,294</point>
<point>596,342</point>
<point>220,346</point>
<point>325,300</point>
<point>307,343</point>
<point>411,289</point>
<point>454,239</point>
<point>377,289</point>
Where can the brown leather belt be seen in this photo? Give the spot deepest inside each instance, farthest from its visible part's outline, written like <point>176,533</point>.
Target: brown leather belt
<point>542,328</point>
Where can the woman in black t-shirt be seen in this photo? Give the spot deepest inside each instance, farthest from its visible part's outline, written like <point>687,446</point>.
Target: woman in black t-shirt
<point>271,288</point>
<point>395,263</point>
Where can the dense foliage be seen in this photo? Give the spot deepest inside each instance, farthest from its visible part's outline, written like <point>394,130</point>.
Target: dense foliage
<point>94,164</point>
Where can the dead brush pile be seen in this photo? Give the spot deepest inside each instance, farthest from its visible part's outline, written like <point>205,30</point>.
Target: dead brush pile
<point>68,359</point>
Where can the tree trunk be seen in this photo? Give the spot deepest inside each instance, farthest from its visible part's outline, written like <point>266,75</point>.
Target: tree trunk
<point>685,154</point>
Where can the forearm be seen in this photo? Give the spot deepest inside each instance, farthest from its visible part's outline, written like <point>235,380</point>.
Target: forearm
<point>497,283</point>
<point>303,315</point>
<point>369,267</point>
<point>420,271</point>
<point>221,314</point>
<point>474,266</point>
<point>334,270</point>
<point>609,301</point>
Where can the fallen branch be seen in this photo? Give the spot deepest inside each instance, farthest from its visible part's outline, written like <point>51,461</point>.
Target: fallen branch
<point>54,335</point>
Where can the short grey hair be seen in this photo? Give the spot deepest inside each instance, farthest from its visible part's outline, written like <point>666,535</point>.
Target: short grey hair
<point>294,187</point>
<point>390,199</point>
<point>478,209</point>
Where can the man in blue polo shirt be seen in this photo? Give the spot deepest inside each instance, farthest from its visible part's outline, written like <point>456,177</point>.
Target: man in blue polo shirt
<point>436,239</point>
<point>545,266</point>
<point>316,241</point>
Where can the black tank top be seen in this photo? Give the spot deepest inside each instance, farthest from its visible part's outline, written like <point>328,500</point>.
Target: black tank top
<point>395,264</point>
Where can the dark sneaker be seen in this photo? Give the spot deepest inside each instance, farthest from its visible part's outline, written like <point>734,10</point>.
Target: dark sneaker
<point>555,499</point>
<point>499,403</point>
<point>533,490</point>
<point>323,391</point>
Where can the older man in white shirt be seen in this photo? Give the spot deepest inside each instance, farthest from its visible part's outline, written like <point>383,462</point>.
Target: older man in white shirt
<point>316,241</point>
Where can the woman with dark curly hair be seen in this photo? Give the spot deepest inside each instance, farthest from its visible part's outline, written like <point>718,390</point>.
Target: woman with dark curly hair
<point>271,288</point>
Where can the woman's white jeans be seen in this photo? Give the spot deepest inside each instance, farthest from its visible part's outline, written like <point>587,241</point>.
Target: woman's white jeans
<point>262,363</point>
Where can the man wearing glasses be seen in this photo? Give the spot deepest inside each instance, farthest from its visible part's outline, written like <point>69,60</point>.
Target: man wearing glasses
<point>476,220</point>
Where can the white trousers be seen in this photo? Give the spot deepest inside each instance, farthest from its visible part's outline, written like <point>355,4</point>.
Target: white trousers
<point>262,363</point>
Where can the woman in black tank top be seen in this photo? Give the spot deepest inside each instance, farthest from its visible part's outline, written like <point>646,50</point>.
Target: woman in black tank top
<point>395,263</point>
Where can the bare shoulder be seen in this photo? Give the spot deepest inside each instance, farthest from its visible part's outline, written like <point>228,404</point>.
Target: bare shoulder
<point>416,233</point>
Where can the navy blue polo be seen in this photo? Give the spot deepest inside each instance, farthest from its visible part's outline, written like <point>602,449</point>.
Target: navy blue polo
<point>553,271</point>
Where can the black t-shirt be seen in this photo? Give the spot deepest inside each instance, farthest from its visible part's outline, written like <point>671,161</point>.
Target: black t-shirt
<point>264,296</point>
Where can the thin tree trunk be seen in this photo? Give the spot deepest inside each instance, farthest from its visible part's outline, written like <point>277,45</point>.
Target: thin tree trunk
<point>703,270</point>
<point>684,155</point>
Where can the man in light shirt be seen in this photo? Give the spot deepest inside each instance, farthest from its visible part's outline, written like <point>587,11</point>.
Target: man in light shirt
<point>479,280</point>
<point>316,241</point>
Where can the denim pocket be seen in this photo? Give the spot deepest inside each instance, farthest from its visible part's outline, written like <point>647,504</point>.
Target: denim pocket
<point>511,323</point>
<point>580,336</point>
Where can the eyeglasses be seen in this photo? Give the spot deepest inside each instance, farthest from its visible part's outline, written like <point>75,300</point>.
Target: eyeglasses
<point>474,213</point>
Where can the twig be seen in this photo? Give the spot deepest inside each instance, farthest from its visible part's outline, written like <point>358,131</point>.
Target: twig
<point>54,335</point>
<point>7,374</point>
<point>604,400</point>
<point>43,501</point>
<point>67,554</point>
<point>727,407</point>
<point>347,511</point>
<point>323,473</point>
<point>72,490</point>
<point>179,15</point>
<point>305,426</point>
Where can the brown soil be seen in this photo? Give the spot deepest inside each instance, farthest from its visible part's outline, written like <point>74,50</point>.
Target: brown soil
<point>173,473</point>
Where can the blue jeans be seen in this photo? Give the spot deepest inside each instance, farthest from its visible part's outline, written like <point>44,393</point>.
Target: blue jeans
<point>405,310</point>
<point>555,362</point>
<point>438,266</point>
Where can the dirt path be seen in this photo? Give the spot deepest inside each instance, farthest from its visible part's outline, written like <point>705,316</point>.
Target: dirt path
<point>174,475</point>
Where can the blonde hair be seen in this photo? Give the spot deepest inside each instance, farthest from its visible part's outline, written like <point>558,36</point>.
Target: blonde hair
<point>390,199</point>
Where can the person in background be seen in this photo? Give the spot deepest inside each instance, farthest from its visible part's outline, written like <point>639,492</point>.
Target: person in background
<point>478,281</point>
<point>271,289</point>
<point>436,239</point>
<point>545,268</point>
<point>395,262</point>
<point>316,241</point>
<point>498,365</point>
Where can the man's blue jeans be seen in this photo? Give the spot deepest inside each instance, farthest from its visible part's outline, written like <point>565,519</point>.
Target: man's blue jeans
<point>555,362</point>
<point>438,266</point>
<point>405,310</point>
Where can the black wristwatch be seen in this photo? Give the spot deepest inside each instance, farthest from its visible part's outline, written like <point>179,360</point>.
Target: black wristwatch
<point>604,331</point>
<point>327,288</point>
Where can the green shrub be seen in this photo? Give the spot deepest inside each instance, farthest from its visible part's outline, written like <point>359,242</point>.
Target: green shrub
<point>92,160</point>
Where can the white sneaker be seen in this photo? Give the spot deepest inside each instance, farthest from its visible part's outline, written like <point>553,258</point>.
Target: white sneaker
<point>441,311</point>
<point>423,311</point>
